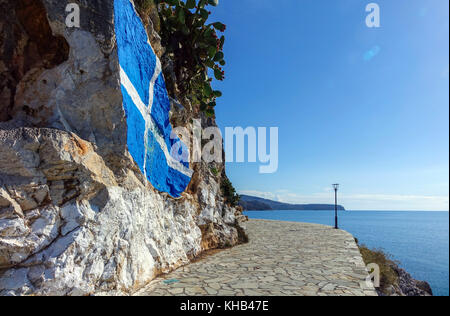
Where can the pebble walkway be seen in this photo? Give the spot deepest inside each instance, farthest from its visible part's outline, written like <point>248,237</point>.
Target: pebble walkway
<point>281,259</point>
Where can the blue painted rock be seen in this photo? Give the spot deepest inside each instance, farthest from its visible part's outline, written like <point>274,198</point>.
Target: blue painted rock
<point>147,106</point>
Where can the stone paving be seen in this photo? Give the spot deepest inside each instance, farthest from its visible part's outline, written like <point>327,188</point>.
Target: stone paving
<point>281,259</point>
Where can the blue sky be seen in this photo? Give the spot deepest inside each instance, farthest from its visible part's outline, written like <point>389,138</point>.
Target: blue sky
<point>378,126</point>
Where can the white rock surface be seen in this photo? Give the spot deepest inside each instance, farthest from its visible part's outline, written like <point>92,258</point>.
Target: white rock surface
<point>77,216</point>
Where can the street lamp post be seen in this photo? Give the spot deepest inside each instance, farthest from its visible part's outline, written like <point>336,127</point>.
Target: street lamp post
<point>336,187</point>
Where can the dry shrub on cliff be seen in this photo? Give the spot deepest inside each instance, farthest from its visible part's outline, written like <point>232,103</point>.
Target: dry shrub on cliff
<point>388,276</point>
<point>147,8</point>
<point>144,5</point>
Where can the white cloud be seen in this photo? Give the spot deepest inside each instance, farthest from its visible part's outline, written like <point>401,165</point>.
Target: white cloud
<point>361,201</point>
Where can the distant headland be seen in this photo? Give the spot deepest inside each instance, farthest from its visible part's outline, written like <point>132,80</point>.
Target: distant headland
<point>253,203</point>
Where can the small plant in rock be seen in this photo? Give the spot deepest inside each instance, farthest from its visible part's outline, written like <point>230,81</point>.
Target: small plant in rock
<point>195,48</point>
<point>229,192</point>
<point>214,171</point>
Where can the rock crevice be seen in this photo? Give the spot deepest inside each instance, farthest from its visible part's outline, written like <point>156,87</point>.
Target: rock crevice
<point>26,42</point>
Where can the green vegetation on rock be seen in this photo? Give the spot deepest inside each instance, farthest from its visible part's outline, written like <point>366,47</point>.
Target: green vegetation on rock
<point>229,192</point>
<point>195,49</point>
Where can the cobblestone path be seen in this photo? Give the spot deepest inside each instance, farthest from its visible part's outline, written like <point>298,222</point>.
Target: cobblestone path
<point>280,259</point>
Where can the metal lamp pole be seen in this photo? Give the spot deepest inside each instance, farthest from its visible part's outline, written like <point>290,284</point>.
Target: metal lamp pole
<point>336,187</point>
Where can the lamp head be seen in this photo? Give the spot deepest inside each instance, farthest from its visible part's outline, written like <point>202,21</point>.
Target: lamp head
<point>336,186</point>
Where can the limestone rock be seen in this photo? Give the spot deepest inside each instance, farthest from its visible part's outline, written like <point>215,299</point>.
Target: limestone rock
<point>76,214</point>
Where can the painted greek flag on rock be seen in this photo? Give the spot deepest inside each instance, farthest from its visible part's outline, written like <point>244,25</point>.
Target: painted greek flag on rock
<point>162,159</point>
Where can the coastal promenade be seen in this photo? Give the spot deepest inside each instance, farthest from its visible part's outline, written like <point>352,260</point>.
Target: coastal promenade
<point>281,259</point>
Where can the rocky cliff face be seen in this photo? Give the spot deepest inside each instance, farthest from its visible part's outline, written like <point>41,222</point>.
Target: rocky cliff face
<point>76,214</point>
<point>407,285</point>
